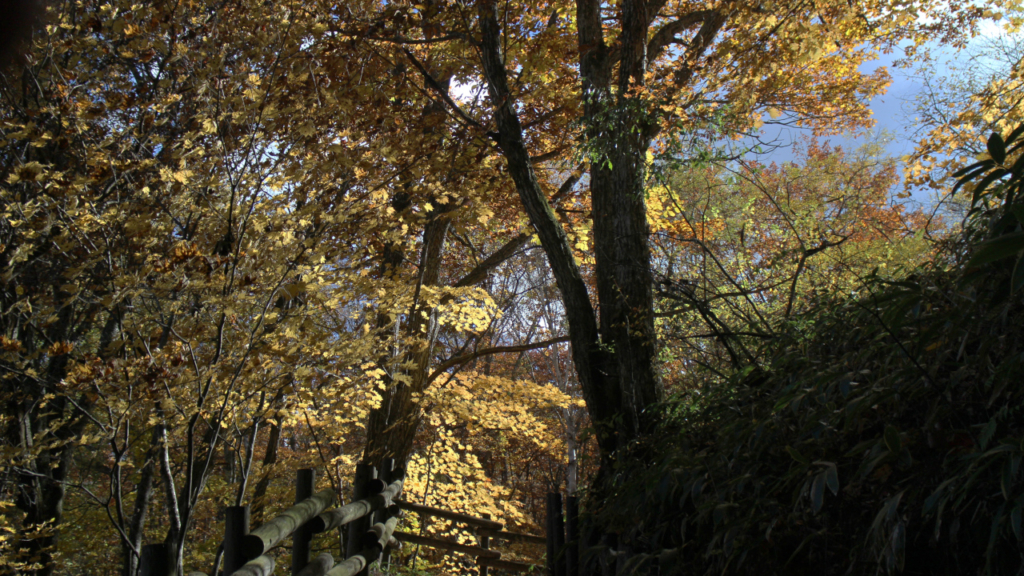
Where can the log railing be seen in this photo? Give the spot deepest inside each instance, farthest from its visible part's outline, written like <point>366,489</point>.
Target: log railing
<point>370,521</point>
<point>485,529</point>
<point>367,542</point>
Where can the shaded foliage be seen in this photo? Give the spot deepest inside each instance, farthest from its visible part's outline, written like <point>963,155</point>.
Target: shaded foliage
<point>884,435</point>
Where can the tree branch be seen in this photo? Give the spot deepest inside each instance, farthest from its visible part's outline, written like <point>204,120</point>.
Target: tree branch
<point>480,271</point>
<point>436,86</point>
<point>667,34</point>
<point>451,362</point>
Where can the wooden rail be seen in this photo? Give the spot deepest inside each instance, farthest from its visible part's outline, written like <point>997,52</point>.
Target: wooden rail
<point>341,516</point>
<point>372,521</point>
<point>307,517</point>
<point>449,515</point>
<point>446,545</point>
<point>485,530</point>
<point>267,536</point>
<point>512,536</point>
<point>508,565</point>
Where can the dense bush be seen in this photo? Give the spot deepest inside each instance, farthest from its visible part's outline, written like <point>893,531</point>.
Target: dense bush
<point>884,433</point>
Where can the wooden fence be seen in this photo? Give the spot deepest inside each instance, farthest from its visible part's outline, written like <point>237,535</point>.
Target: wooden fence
<point>485,529</point>
<point>371,521</point>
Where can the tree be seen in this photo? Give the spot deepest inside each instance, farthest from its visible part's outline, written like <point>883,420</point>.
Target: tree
<point>742,251</point>
<point>238,232</point>
<point>978,93</point>
<point>644,70</point>
<point>157,175</point>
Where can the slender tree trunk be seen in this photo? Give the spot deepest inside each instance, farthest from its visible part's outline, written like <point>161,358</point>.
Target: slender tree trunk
<point>572,466</point>
<point>132,549</point>
<point>259,496</point>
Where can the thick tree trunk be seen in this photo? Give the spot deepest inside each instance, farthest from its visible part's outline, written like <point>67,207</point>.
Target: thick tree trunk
<point>617,124</point>
<point>391,427</point>
<point>590,355</point>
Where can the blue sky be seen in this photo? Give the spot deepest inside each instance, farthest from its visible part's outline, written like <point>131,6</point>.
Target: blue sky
<point>894,110</point>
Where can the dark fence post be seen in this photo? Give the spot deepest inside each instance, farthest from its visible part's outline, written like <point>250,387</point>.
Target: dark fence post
<point>357,529</point>
<point>236,526</point>
<point>154,560</point>
<point>572,536</point>
<point>485,543</point>
<point>305,485</point>
<point>555,534</point>
<point>387,474</point>
<point>384,473</point>
<point>609,560</point>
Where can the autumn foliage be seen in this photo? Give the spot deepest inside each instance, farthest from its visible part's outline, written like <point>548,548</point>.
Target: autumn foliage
<point>240,238</point>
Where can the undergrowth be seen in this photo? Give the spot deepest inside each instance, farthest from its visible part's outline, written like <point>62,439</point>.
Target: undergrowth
<point>884,433</point>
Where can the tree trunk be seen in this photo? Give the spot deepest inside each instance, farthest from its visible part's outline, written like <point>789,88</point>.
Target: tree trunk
<point>132,550</point>
<point>41,480</point>
<point>259,495</point>
<point>615,358</point>
<point>391,427</point>
<point>590,357</point>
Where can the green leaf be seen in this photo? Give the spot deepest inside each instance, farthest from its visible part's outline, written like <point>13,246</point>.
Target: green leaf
<point>818,492</point>
<point>1018,275</point>
<point>892,439</point>
<point>983,185</point>
<point>800,458</point>
<point>1000,449</point>
<point>987,432</point>
<point>997,148</point>
<point>698,487</point>
<point>1006,483</point>
<point>1015,522</point>
<point>1015,134</point>
<point>1018,211</point>
<point>888,511</point>
<point>977,166</point>
<point>998,248</point>
<point>832,479</point>
<point>1018,165</point>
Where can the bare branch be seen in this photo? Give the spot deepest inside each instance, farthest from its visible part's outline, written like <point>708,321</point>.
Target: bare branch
<point>436,86</point>
<point>459,360</point>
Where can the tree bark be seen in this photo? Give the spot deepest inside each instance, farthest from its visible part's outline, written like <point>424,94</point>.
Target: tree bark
<point>600,388</point>
<point>391,427</point>
<point>614,348</point>
<point>259,495</point>
<point>132,550</point>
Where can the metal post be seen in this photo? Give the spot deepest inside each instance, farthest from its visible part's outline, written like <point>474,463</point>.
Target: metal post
<point>572,533</point>
<point>236,526</point>
<point>305,485</point>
